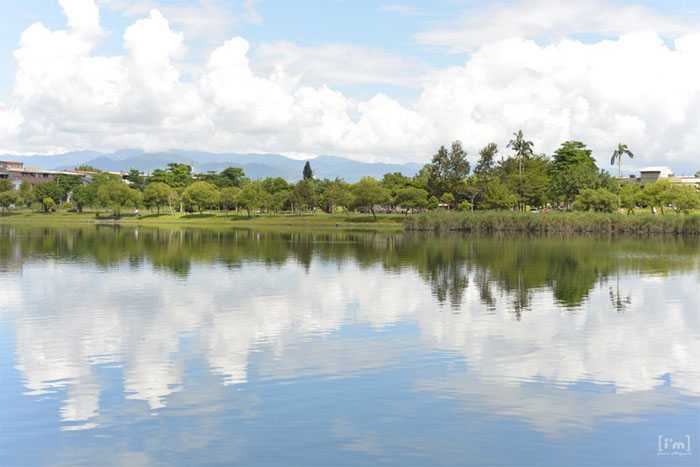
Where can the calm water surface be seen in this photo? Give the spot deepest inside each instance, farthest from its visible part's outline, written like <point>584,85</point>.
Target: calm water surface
<point>173,347</point>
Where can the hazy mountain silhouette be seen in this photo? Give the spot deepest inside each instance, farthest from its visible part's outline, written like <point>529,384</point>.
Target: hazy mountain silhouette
<point>255,165</point>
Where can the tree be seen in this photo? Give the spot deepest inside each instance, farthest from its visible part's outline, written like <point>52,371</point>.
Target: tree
<point>48,204</point>
<point>229,197</point>
<point>117,195</point>
<point>232,176</point>
<point>657,195</point>
<point>6,185</point>
<point>178,176</point>
<point>8,199</point>
<point>335,193</point>
<point>83,196</point>
<point>304,193</point>
<point>137,180</point>
<point>617,155</point>
<point>522,148</point>
<point>685,198</point>
<point>497,195</point>
<point>200,196</point>
<point>448,199</point>
<point>67,183</point>
<point>157,195</point>
<point>411,198</point>
<point>48,190</point>
<point>26,193</point>
<point>572,170</point>
<point>532,186</point>
<point>600,200</point>
<point>251,197</point>
<point>369,193</point>
<point>487,160</point>
<point>447,170</point>
<point>629,196</point>
<point>279,200</point>
<point>307,172</point>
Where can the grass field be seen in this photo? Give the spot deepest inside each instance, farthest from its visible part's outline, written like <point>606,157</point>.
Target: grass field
<point>320,221</point>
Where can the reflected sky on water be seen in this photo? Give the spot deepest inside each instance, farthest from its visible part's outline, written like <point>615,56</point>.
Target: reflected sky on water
<point>176,347</point>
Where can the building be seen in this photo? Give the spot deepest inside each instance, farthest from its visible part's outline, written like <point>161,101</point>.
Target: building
<point>654,174</point>
<point>18,173</point>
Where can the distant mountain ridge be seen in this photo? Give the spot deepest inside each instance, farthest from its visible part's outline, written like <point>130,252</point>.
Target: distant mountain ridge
<point>256,166</point>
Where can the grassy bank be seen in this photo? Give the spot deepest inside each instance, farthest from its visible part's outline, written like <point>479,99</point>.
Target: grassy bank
<point>555,222</point>
<point>311,221</point>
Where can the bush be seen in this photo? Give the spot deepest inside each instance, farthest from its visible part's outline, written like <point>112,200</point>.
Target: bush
<point>554,222</point>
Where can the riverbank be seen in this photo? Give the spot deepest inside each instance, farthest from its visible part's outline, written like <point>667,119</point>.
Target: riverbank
<point>555,222</point>
<point>485,222</point>
<point>319,221</point>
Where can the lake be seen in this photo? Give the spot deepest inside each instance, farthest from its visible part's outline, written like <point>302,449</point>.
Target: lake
<point>149,347</point>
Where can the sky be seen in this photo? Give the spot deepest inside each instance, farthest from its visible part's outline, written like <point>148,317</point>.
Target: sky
<point>369,80</point>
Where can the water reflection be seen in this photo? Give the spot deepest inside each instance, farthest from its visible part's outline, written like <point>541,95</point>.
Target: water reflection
<point>559,333</point>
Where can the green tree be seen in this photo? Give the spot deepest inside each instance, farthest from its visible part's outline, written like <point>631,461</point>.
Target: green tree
<point>201,196</point>
<point>335,193</point>
<point>8,199</point>
<point>572,170</point>
<point>629,196</point>
<point>617,155</point>
<point>487,160</point>
<point>68,183</point>
<point>447,170</point>
<point>48,204</point>
<point>252,197</point>
<point>48,190</point>
<point>158,195</point>
<point>497,195</point>
<point>685,198</point>
<point>370,193</point>
<point>84,196</point>
<point>116,195</point>
<point>304,194</point>
<point>532,184</point>
<point>26,193</point>
<point>6,185</point>
<point>448,199</point>
<point>600,200</point>
<point>232,176</point>
<point>411,198</point>
<point>137,180</point>
<point>307,172</point>
<point>522,149</point>
<point>229,197</point>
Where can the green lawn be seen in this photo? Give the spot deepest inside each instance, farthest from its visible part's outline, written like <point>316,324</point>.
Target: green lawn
<point>215,219</point>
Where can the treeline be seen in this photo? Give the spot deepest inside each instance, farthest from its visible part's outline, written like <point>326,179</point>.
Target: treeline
<point>520,180</point>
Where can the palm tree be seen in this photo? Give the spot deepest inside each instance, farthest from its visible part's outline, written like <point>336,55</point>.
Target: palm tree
<point>523,150</point>
<point>621,151</point>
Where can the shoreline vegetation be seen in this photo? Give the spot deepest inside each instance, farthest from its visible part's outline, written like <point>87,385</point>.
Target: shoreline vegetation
<point>524,192</point>
<point>437,221</point>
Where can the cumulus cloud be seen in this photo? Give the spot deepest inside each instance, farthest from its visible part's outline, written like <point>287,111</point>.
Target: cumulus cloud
<point>549,19</point>
<point>338,64</point>
<point>638,88</point>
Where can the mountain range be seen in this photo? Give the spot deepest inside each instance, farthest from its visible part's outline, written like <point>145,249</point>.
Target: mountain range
<point>256,166</point>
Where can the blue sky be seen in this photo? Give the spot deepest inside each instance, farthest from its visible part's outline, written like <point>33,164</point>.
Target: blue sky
<point>399,76</point>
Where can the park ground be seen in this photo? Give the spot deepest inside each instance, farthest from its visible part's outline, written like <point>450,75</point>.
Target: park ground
<point>319,221</point>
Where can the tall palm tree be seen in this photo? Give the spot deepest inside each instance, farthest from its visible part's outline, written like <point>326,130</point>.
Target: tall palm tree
<point>621,151</point>
<point>523,150</point>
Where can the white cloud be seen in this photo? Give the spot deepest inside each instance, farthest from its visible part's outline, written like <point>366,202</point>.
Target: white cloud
<point>636,88</point>
<point>338,64</point>
<point>402,9</point>
<point>208,19</point>
<point>550,20</point>
<point>251,11</point>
